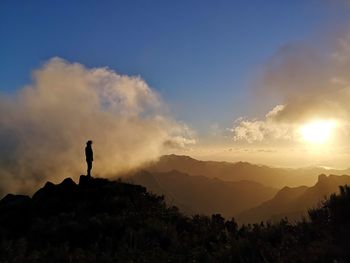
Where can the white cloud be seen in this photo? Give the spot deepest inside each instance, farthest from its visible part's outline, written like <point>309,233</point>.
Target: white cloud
<point>259,130</point>
<point>43,128</point>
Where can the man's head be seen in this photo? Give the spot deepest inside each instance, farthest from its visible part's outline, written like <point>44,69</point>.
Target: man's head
<point>89,142</point>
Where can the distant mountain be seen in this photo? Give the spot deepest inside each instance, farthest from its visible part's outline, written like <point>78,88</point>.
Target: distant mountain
<point>294,202</point>
<point>203,195</point>
<point>273,177</point>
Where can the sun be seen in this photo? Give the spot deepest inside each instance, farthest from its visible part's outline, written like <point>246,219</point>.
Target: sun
<point>317,132</point>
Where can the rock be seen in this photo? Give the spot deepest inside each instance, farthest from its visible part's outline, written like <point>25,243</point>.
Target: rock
<point>84,180</point>
<point>12,201</point>
<point>68,182</point>
<point>15,213</point>
<point>322,178</point>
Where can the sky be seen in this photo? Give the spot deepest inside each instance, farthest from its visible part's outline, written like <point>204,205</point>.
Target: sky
<point>213,65</point>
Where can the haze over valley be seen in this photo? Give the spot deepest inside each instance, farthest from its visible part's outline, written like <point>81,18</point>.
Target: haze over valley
<point>250,193</point>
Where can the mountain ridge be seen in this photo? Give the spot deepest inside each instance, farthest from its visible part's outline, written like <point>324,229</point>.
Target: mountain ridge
<point>227,171</point>
<point>294,201</point>
<point>203,195</point>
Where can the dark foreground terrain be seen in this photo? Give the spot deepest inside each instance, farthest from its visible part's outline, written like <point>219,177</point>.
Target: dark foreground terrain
<point>107,221</point>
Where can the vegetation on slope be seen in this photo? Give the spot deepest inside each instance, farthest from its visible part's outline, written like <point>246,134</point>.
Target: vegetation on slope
<point>104,221</point>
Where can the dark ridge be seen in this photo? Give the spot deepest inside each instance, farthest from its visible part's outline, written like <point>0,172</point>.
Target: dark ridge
<point>99,220</point>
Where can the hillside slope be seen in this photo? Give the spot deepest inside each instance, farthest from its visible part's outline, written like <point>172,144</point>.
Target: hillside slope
<point>199,194</point>
<point>105,221</point>
<point>294,202</point>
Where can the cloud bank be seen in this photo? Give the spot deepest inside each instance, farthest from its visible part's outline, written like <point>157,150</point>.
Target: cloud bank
<point>313,82</point>
<point>44,127</point>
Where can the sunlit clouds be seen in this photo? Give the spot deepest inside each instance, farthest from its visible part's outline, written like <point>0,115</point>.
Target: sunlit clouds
<point>315,89</point>
<point>311,124</point>
<point>44,127</point>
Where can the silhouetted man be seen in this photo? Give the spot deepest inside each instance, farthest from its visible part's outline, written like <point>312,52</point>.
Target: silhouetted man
<point>89,154</point>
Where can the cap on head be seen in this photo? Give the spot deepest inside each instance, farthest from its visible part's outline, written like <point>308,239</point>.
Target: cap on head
<point>89,142</point>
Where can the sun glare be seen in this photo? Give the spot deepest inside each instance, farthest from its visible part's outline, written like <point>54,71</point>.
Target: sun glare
<point>317,132</point>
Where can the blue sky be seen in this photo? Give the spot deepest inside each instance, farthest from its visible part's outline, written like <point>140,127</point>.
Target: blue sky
<point>201,56</point>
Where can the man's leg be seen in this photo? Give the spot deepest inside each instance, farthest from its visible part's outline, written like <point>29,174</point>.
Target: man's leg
<point>89,167</point>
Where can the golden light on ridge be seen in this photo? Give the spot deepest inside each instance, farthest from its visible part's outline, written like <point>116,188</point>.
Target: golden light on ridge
<point>317,132</point>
